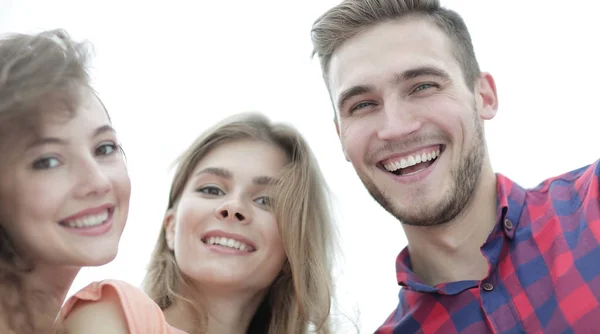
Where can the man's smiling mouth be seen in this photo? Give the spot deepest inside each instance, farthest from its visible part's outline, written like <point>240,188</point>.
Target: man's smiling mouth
<point>412,163</point>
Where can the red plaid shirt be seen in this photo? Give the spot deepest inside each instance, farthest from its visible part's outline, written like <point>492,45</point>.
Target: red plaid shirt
<point>544,258</point>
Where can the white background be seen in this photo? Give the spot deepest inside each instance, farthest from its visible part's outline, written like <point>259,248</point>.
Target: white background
<point>168,70</point>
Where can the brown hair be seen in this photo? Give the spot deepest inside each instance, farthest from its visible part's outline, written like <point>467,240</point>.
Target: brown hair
<point>300,298</point>
<point>351,17</point>
<point>32,67</point>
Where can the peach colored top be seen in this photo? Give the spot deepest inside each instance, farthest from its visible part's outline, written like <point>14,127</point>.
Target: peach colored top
<point>142,314</point>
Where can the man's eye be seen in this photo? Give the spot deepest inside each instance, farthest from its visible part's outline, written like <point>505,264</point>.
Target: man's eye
<point>424,86</point>
<point>361,105</point>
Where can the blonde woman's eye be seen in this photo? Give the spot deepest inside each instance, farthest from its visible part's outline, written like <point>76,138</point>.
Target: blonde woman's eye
<point>46,163</point>
<point>264,200</point>
<point>107,149</point>
<point>211,190</point>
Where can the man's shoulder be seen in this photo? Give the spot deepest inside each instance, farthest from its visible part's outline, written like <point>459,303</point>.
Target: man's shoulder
<point>580,179</point>
<point>417,311</point>
<point>570,198</point>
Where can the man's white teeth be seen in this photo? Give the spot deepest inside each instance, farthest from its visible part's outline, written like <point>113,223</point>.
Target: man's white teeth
<point>411,160</point>
<point>227,242</point>
<point>88,221</point>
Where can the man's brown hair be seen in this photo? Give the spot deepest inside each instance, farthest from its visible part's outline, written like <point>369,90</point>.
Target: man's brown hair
<point>351,17</point>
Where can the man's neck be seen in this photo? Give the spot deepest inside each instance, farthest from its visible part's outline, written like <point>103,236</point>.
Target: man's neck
<point>452,251</point>
<point>226,311</point>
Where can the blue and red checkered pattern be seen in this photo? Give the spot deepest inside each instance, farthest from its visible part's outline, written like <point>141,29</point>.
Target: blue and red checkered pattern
<point>544,257</point>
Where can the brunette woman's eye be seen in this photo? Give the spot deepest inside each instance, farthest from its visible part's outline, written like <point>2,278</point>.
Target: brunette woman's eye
<point>46,163</point>
<point>107,149</point>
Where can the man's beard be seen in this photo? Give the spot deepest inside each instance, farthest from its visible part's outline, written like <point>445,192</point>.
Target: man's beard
<point>464,181</point>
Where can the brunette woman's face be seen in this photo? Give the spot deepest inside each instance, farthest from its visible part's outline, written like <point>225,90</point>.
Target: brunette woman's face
<point>64,196</point>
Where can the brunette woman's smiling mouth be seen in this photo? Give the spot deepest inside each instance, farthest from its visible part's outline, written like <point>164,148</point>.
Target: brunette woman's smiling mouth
<point>90,222</point>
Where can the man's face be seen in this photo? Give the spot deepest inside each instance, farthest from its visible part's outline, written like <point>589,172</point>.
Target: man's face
<point>408,122</point>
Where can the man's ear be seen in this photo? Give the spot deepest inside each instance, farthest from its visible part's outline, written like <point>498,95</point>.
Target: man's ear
<point>169,226</point>
<point>487,96</point>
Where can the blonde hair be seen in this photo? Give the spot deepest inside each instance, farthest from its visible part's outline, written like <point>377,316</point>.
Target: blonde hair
<point>351,17</point>
<point>31,68</point>
<point>301,296</point>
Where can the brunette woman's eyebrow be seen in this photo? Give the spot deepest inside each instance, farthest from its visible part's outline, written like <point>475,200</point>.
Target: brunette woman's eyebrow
<point>103,129</point>
<point>46,141</point>
<point>41,141</point>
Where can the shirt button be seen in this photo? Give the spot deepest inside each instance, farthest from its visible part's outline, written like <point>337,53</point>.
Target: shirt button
<point>508,224</point>
<point>488,287</point>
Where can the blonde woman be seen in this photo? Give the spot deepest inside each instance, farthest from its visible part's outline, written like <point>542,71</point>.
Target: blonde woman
<point>64,186</point>
<point>245,245</point>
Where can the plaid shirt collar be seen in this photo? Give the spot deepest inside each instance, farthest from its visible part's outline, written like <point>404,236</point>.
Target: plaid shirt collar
<point>510,203</point>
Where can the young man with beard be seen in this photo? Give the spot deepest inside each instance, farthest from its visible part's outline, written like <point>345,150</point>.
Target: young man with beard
<point>484,255</point>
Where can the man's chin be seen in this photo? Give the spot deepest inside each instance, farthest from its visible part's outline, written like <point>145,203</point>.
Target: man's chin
<point>423,216</point>
<point>424,209</point>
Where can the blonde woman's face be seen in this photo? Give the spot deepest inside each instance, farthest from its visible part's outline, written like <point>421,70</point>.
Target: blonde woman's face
<point>64,197</point>
<point>223,231</point>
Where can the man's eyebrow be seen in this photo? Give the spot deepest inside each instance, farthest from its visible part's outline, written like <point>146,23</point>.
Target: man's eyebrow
<point>420,72</point>
<point>351,92</point>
